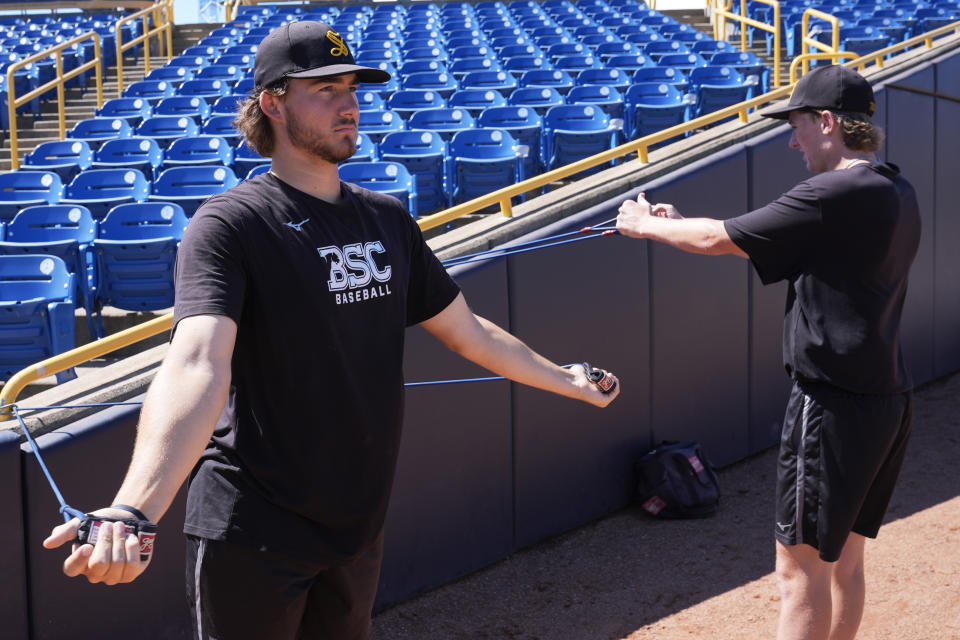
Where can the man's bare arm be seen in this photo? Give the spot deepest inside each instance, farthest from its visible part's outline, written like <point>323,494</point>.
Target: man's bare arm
<point>663,223</point>
<point>483,342</point>
<point>176,422</point>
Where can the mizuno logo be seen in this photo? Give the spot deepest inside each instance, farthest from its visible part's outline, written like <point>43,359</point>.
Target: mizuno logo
<point>784,527</point>
<point>297,225</point>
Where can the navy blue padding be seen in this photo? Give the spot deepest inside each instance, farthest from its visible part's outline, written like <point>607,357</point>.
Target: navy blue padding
<point>774,169</point>
<point>699,319</point>
<point>13,561</point>
<point>88,460</point>
<point>911,140</point>
<point>452,507</point>
<point>946,352</point>
<point>573,461</point>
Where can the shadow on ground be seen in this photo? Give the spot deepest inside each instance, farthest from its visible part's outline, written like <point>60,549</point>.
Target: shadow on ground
<point>607,579</point>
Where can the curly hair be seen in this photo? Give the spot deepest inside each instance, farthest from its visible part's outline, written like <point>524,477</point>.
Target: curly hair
<point>859,133</point>
<point>253,123</point>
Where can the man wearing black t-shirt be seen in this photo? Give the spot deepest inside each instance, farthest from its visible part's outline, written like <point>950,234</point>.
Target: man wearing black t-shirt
<point>282,392</point>
<point>844,239</point>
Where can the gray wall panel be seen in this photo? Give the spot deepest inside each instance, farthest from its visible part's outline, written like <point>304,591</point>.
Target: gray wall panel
<point>573,460</point>
<point>13,563</point>
<point>946,353</point>
<point>948,75</point>
<point>699,326</point>
<point>774,169</point>
<point>88,461</point>
<point>452,507</point>
<point>910,145</point>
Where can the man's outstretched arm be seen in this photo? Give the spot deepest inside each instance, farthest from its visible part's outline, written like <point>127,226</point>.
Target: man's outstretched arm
<point>479,340</point>
<point>662,222</point>
<point>178,417</point>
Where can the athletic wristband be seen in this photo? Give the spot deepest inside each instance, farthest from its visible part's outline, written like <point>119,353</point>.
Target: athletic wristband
<point>136,512</point>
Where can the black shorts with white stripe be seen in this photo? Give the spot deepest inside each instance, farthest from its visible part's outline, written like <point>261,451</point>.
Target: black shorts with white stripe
<point>840,455</point>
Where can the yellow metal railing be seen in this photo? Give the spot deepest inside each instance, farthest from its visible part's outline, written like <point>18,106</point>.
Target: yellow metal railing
<point>75,357</point>
<point>14,102</point>
<point>804,58</point>
<point>722,12</point>
<point>806,40</point>
<point>160,16</point>
<point>232,7</point>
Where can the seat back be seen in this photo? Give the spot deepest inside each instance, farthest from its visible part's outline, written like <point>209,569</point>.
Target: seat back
<point>376,125</point>
<point>192,107</point>
<point>222,127</point>
<point>96,130</point>
<point>574,132</point>
<point>136,252</point>
<point>408,101</point>
<point>386,177</point>
<point>556,79</point>
<point>33,277</point>
<point>24,188</point>
<point>484,160</point>
<point>66,157</point>
<point>424,155</point>
<point>164,129</point>
<point>134,152</point>
<point>150,90</point>
<point>500,81</point>
<point>445,121</point>
<point>196,150</point>
<point>174,76</point>
<point>108,184</point>
<point>203,181</point>
<point>477,100</point>
<point>133,110</point>
<point>607,98</point>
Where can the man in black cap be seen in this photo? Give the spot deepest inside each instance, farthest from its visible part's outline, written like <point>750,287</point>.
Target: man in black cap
<point>844,239</point>
<point>282,390</point>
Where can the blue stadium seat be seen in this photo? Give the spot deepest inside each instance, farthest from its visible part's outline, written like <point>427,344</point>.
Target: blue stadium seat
<point>538,99</point>
<point>66,157</point>
<point>424,154</point>
<point>190,186</point>
<point>575,64</point>
<point>65,231</point>
<point>196,108</point>
<point>198,151</point>
<point>629,63</point>
<point>376,125</point>
<point>524,125</point>
<point>143,154</point>
<point>174,76</point>
<point>222,126</point>
<point>36,312</point>
<point>422,66</point>
<point>245,159</point>
<point>19,189</point>
<point>749,65</point>
<point>96,131</point>
<point>660,48</point>
<point>683,62</point>
<point>547,79</point>
<point>194,63</point>
<point>654,106</point>
<point>717,87</point>
<point>209,90</point>
<point>391,178</point>
<point>228,73</point>
<point>443,83</point>
<point>165,129</point>
<point>710,48</point>
<point>616,78</point>
<point>500,81</point>
<point>574,132</point>
<point>136,250</point>
<point>225,106</point>
<point>406,102</point>
<point>101,189</point>
<point>608,49</point>
<point>150,90</point>
<point>445,121</point>
<point>367,151</point>
<point>476,100</point>
<point>667,75</point>
<point>485,160</point>
<point>133,110</point>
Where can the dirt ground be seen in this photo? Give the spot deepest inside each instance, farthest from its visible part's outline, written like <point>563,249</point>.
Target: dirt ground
<point>632,577</point>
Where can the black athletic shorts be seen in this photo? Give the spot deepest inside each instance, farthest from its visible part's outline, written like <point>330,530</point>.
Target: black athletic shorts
<point>236,592</point>
<point>840,455</point>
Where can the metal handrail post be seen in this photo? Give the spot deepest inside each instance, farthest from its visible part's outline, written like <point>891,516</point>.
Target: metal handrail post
<point>806,40</point>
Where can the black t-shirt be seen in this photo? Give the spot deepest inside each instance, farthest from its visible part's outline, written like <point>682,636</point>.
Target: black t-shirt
<point>302,458</point>
<point>845,240</point>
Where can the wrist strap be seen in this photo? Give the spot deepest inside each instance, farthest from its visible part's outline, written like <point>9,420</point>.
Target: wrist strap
<point>136,512</point>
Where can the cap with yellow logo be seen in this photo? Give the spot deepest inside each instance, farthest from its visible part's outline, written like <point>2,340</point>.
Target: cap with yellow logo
<point>307,49</point>
<point>835,88</point>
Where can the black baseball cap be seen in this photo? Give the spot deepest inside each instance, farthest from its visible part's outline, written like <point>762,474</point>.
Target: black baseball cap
<point>835,88</point>
<point>307,49</point>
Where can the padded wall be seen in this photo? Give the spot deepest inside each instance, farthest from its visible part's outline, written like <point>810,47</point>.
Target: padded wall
<point>585,301</point>
<point>452,507</point>
<point>88,461</point>
<point>699,317</point>
<point>911,136</point>
<point>946,333</point>
<point>13,561</point>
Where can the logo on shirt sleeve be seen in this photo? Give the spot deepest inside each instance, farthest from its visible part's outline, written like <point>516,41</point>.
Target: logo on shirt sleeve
<point>355,275</point>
